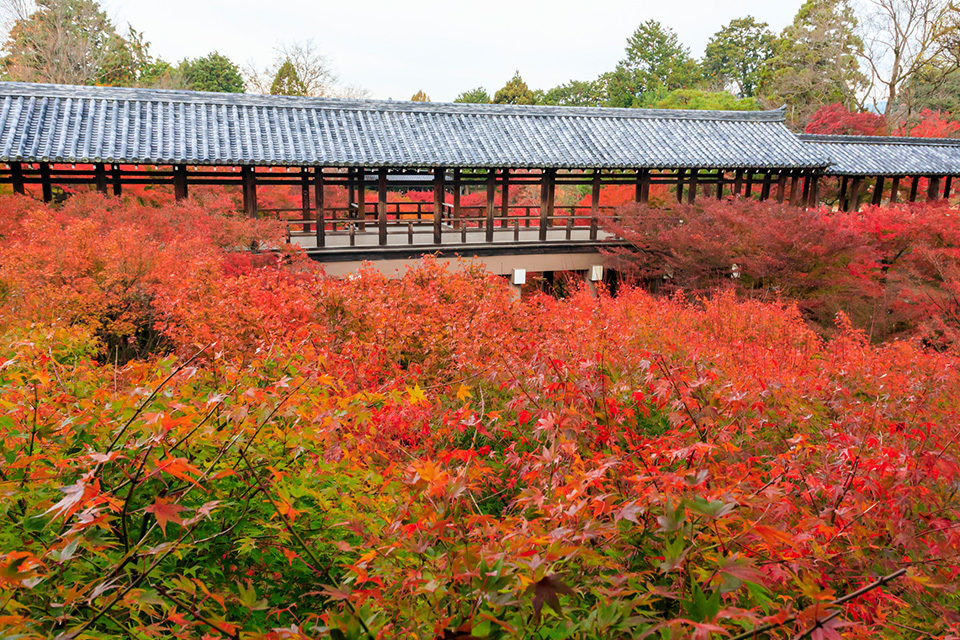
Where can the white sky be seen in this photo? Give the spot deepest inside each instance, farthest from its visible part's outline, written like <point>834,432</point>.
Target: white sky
<point>393,48</point>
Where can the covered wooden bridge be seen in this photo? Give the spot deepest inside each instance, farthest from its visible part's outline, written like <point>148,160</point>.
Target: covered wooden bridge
<point>109,138</point>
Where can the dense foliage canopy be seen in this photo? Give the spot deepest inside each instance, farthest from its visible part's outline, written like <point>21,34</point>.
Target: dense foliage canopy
<point>205,443</point>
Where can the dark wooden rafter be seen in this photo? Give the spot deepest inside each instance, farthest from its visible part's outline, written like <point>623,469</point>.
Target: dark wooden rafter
<point>321,223</point>
<point>490,204</point>
<point>382,206</point>
<point>46,187</point>
<point>595,204</point>
<point>179,181</point>
<point>438,177</point>
<point>877,191</point>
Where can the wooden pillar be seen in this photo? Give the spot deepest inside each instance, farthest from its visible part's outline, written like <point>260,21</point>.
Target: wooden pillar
<point>321,223</point>
<point>504,196</point>
<point>794,179</point>
<point>382,206</point>
<point>305,198</point>
<point>546,200</point>
<point>781,185</point>
<point>853,202</point>
<point>644,185</point>
<point>814,195</point>
<point>738,182</point>
<point>947,183</point>
<point>249,188</point>
<point>933,188</point>
<point>748,190</point>
<point>16,177</point>
<point>351,192</point>
<point>720,181</point>
<point>457,222</point>
<point>361,198</point>
<point>46,187</point>
<point>488,211</point>
<point>878,191</point>
<point>895,190</point>
<point>437,205</point>
<point>179,181</point>
<point>680,173</point>
<point>842,200</point>
<point>115,175</point>
<point>100,177</point>
<point>692,189</point>
<point>765,189</point>
<point>595,204</point>
<point>914,187</point>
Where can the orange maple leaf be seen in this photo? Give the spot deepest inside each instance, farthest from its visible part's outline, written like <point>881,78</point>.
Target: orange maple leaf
<point>165,511</point>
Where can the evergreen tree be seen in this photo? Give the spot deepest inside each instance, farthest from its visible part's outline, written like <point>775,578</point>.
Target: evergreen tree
<point>515,91</point>
<point>213,72</point>
<point>736,53</point>
<point>476,96</point>
<point>287,81</point>
<point>655,63</point>
<point>815,61</point>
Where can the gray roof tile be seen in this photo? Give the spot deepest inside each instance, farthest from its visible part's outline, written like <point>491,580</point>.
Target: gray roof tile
<point>876,155</point>
<point>58,123</point>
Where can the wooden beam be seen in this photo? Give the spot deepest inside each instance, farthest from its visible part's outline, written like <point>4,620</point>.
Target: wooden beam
<point>100,177</point>
<point>842,198</point>
<point>305,198</point>
<point>457,222</point>
<point>546,200</point>
<point>781,185</point>
<point>748,191</point>
<point>680,173</point>
<point>933,188</point>
<point>321,223</point>
<point>738,182</point>
<point>179,181</point>
<point>115,175</point>
<point>877,191</point>
<point>947,183</point>
<point>805,193</point>
<point>46,187</point>
<point>765,189</point>
<point>16,177</point>
<point>692,189</point>
<point>361,198</point>
<point>351,192</point>
<point>914,187</point>
<point>853,203</point>
<point>720,181</point>
<point>794,179</point>
<point>895,190</point>
<point>594,204</point>
<point>488,211</point>
<point>382,206</point>
<point>504,196</point>
<point>814,199</point>
<point>249,188</point>
<point>645,187</point>
<point>438,175</point>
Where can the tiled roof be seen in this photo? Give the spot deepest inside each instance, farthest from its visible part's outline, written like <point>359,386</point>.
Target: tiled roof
<point>874,155</point>
<point>57,123</point>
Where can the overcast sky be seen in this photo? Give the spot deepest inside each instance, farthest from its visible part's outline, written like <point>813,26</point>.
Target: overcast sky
<point>393,48</point>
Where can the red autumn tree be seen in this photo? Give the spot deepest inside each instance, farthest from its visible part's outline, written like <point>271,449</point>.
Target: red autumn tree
<point>836,119</point>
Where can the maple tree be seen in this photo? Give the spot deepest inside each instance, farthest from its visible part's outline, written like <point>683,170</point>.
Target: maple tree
<point>305,457</point>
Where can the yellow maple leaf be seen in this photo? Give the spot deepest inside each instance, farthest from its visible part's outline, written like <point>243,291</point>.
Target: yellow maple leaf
<point>463,393</point>
<point>416,394</point>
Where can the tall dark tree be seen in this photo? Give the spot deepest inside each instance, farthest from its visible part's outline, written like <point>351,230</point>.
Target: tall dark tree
<point>736,53</point>
<point>287,81</point>
<point>515,91</point>
<point>576,93</point>
<point>475,96</point>
<point>213,72</point>
<point>655,64</point>
<point>815,61</point>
